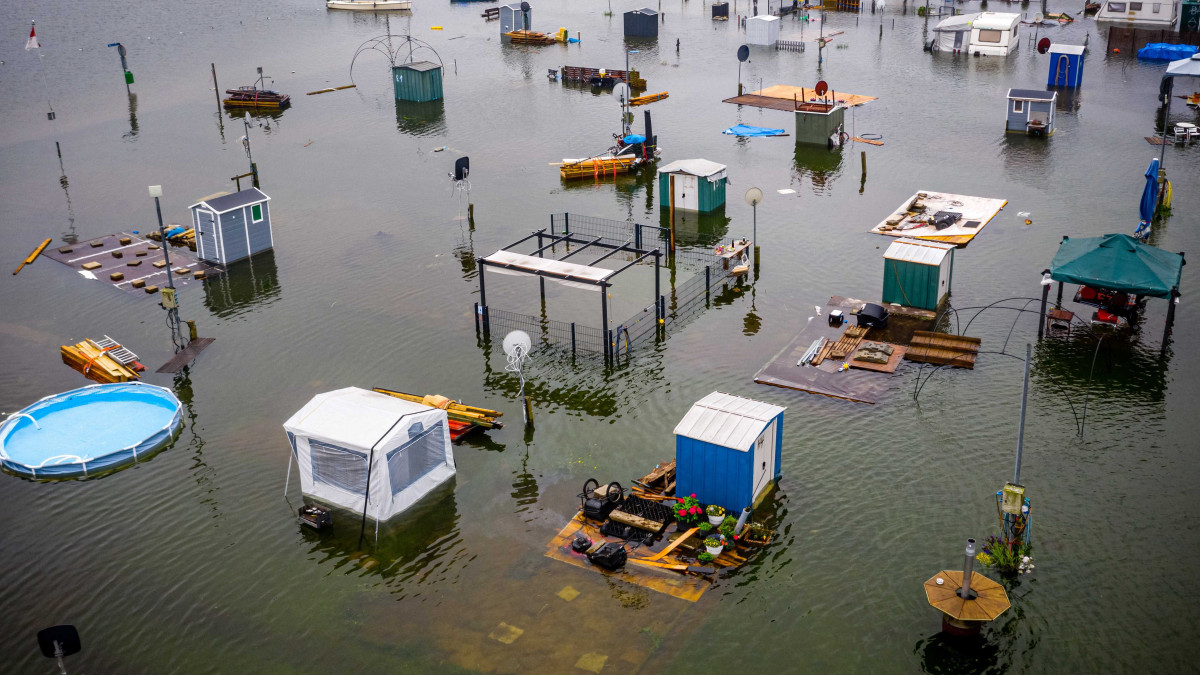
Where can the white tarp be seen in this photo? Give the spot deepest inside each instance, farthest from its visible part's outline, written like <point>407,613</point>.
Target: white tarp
<point>521,264</point>
<point>337,434</point>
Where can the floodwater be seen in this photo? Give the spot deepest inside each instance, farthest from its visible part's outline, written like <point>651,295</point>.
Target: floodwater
<point>194,562</point>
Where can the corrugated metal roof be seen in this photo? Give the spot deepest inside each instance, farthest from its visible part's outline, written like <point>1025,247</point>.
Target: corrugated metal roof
<point>696,167</point>
<point>236,200</point>
<point>922,252</point>
<point>727,420</point>
<point>420,66</point>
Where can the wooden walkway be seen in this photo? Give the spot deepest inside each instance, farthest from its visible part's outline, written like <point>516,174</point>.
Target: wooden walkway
<point>186,356</point>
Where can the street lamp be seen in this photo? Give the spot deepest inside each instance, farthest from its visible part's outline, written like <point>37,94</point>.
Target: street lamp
<point>169,300</point>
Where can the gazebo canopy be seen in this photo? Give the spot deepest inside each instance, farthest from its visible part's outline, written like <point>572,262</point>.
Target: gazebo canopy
<point>1117,262</point>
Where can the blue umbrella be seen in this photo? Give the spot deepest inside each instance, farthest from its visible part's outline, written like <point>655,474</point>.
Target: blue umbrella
<point>1149,199</point>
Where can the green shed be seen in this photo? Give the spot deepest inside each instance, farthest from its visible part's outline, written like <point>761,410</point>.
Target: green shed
<point>692,185</point>
<point>917,273</point>
<point>419,81</point>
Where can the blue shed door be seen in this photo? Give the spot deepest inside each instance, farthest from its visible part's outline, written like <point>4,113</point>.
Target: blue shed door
<point>764,460</point>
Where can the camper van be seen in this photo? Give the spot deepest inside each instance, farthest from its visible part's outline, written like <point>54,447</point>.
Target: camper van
<point>995,34</point>
<point>1160,14</point>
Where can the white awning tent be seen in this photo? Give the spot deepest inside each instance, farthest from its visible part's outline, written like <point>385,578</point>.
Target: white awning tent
<point>352,441</point>
<point>519,264</point>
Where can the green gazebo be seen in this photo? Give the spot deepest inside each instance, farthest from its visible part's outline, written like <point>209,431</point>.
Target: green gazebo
<point>1118,263</point>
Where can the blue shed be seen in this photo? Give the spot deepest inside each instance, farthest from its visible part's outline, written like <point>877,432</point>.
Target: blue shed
<point>230,227</point>
<point>727,450</point>
<point>1030,111</point>
<point>1066,66</point>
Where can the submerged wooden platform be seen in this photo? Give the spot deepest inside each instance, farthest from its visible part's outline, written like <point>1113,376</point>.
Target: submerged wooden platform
<point>863,382</point>
<point>944,349</point>
<point>911,218</point>
<point>185,356</point>
<point>529,37</point>
<point>131,262</point>
<point>787,97</point>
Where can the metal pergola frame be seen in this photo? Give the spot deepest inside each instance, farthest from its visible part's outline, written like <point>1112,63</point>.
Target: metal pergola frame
<point>604,284</point>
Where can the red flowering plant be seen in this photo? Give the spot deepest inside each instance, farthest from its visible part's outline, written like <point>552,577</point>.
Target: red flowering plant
<point>688,511</point>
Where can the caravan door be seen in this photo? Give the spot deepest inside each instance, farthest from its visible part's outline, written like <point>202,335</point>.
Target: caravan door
<point>689,196</point>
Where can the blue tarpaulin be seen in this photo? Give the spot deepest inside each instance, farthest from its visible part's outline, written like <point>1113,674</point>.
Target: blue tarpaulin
<point>744,130</point>
<point>633,138</point>
<point>1162,51</point>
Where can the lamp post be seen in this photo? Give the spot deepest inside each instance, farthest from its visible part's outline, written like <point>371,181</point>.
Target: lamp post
<point>753,197</point>
<point>246,142</point>
<point>628,81</point>
<point>169,300</point>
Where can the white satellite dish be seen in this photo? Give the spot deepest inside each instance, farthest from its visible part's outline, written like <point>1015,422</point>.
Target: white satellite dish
<point>517,344</point>
<point>621,91</point>
<point>248,121</point>
<point>1037,18</point>
<point>754,196</point>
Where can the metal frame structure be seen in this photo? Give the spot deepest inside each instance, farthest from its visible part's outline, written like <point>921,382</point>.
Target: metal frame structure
<point>604,284</point>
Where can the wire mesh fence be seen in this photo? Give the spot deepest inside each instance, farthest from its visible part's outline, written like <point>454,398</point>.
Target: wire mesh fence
<point>573,336</point>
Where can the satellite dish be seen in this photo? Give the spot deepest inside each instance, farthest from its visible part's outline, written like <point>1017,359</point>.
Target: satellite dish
<point>743,53</point>
<point>525,7</point>
<point>822,87</point>
<point>621,91</point>
<point>754,196</point>
<point>1037,18</point>
<point>1043,45</point>
<point>517,343</point>
<point>462,167</point>
<point>248,119</point>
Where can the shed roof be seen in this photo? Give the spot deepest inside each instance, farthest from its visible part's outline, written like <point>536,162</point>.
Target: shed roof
<point>1066,49</point>
<point>644,10</point>
<point>236,200</point>
<point>996,21</point>
<point>1031,95</point>
<point>421,66</point>
<point>695,167</point>
<point>763,17</point>
<point>353,417</point>
<point>921,252</point>
<point>727,420</point>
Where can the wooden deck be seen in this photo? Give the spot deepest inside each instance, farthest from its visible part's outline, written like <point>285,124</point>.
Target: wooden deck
<point>98,259</point>
<point>909,219</point>
<point>944,349</point>
<point>787,97</point>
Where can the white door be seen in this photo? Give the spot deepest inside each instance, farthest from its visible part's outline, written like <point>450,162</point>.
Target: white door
<point>764,459</point>
<point>206,234</point>
<point>689,196</point>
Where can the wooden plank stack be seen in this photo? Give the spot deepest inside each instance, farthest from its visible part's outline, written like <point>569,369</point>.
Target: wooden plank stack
<point>600,167</point>
<point>454,410</point>
<point>96,363</point>
<point>943,349</point>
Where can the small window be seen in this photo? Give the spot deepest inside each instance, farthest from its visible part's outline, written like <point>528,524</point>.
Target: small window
<point>992,36</point>
<point>256,213</point>
<point>1018,106</point>
<point>1135,6</point>
<point>1116,7</point>
<point>1156,7</point>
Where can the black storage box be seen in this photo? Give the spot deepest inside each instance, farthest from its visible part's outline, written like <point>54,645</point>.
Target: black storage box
<point>873,316</point>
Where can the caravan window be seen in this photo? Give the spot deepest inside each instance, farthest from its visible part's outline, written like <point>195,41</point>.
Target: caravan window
<point>340,467</point>
<point>424,452</point>
<point>1116,7</point>
<point>1155,7</point>
<point>1135,6</point>
<point>1018,106</point>
<point>990,36</point>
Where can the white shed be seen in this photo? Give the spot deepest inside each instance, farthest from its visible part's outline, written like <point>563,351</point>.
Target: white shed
<point>762,30</point>
<point>352,442</point>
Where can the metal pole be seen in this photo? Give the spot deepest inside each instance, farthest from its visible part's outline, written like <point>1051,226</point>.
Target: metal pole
<point>657,316</point>
<point>216,87</point>
<point>1170,318</point>
<point>604,315</point>
<point>968,569</point>
<point>1042,314</point>
<point>1021,424</point>
<point>163,235</point>
<point>1162,157</point>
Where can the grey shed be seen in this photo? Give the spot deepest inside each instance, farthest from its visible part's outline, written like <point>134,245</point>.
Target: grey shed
<point>641,23</point>
<point>230,227</point>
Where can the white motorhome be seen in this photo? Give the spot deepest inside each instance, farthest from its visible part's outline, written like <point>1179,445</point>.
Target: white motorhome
<point>1161,14</point>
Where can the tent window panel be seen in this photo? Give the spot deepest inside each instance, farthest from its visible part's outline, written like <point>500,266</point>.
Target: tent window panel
<point>338,467</point>
<point>992,36</point>
<point>420,455</point>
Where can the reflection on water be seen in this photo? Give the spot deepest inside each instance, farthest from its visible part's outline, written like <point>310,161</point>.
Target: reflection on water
<point>1070,99</point>
<point>246,284</point>
<point>421,119</point>
<point>1025,157</point>
<point>412,543</point>
<point>697,229</point>
<point>131,135</point>
<point>70,236</point>
<point>1114,369</point>
<point>820,165</point>
<point>201,472</point>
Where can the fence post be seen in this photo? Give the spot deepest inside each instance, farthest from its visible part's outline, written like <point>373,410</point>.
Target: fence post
<point>707,284</point>
<point>566,223</point>
<point>572,338</point>
<point>551,224</point>
<point>477,319</point>
<point>637,235</point>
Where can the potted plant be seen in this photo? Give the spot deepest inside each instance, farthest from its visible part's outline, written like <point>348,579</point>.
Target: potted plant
<point>705,557</point>
<point>706,530</point>
<point>757,535</point>
<point>728,526</point>
<point>716,514</point>
<point>688,512</point>
<point>714,545</point>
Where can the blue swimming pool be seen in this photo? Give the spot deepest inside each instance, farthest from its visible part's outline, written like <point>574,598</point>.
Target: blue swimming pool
<point>89,430</point>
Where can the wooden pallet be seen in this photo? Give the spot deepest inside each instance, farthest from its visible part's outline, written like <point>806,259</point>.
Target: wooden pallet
<point>846,344</point>
<point>598,168</point>
<point>943,349</point>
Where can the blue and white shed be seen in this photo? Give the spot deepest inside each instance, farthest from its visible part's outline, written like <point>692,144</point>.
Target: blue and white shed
<point>727,450</point>
<point>1030,111</point>
<point>1066,66</point>
<point>230,227</point>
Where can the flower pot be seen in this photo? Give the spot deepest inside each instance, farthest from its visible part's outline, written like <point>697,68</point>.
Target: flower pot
<point>715,550</point>
<point>716,520</point>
